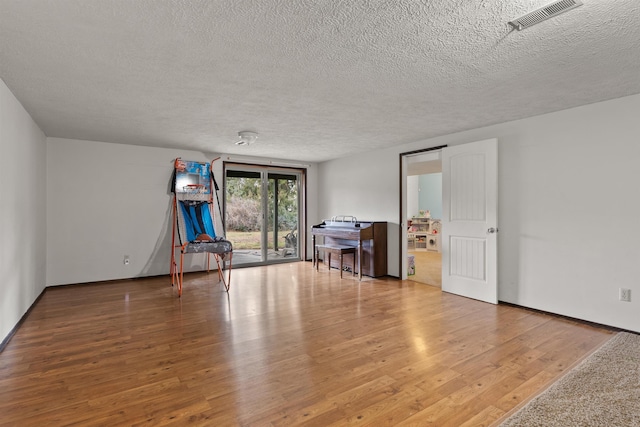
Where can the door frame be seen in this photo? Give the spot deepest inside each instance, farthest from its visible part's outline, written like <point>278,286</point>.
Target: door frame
<point>402,261</point>
<point>403,213</point>
<point>302,205</point>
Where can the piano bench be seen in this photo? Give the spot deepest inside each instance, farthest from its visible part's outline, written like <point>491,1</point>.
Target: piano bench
<point>339,250</point>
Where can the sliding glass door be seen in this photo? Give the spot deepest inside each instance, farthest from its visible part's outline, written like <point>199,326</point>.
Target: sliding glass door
<point>262,213</point>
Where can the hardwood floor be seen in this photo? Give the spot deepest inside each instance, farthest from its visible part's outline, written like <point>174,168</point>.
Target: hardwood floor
<point>287,346</point>
<point>428,268</point>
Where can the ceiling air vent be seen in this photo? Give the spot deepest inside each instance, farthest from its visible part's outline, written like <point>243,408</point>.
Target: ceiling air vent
<point>544,13</point>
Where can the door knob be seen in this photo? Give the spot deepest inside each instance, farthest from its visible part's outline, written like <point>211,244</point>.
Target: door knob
<point>492,230</point>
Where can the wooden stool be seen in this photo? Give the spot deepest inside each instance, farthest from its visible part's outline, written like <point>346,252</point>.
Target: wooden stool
<point>340,250</point>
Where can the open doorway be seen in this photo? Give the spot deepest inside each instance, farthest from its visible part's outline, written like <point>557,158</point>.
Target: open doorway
<point>469,217</point>
<point>424,213</point>
<point>421,213</point>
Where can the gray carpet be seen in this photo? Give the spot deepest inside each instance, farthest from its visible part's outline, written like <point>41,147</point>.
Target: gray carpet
<point>603,390</point>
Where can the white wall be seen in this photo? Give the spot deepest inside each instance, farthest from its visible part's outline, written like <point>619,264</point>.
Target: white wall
<point>22,211</point>
<point>367,187</point>
<point>430,194</point>
<point>106,201</point>
<point>557,250</point>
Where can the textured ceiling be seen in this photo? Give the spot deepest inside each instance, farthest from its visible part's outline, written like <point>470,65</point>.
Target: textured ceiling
<point>317,79</point>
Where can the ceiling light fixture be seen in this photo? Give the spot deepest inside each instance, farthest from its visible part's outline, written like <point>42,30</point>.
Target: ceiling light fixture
<point>246,137</point>
<point>544,13</point>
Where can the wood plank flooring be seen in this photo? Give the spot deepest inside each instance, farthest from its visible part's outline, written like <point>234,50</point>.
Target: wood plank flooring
<point>428,268</point>
<point>287,346</point>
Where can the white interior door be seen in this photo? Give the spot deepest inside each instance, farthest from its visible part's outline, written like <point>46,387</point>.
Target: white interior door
<point>470,220</point>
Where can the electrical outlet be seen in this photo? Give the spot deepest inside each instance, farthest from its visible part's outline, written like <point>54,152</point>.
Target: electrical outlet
<point>625,294</point>
<point>126,260</point>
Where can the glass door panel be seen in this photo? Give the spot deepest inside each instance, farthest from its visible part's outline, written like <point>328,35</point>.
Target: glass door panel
<point>243,215</point>
<point>283,215</point>
<point>262,213</point>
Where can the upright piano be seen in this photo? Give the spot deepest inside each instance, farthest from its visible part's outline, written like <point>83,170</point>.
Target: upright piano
<point>369,237</point>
